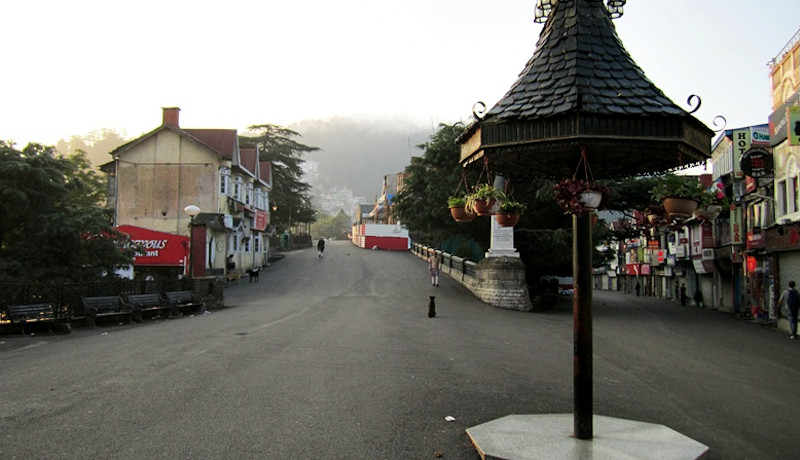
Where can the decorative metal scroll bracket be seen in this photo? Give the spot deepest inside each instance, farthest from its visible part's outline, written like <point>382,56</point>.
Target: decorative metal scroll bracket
<point>479,110</point>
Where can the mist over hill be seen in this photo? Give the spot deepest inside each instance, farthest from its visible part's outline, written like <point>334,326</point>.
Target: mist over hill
<point>357,153</point>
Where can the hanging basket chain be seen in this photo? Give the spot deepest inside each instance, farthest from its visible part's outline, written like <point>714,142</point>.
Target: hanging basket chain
<point>462,181</point>
<point>486,170</point>
<point>587,171</point>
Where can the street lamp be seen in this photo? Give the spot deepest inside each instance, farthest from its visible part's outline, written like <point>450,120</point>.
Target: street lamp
<point>192,211</point>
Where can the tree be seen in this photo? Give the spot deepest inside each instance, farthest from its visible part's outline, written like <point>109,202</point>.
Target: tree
<point>421,205</point>
<point>289,193</point>
<point>51,226</point>
<point>336,226</point>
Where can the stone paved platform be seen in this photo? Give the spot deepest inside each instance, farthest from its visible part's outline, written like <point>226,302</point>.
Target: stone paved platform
<point>549,436</point>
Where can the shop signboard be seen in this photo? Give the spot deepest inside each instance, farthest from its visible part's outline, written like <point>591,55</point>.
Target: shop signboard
<point>741,144</point>
<point>260,220</point>
<point>794,125</point>
<point>757,162</point>
<point>736,225</point>
<point>755,240</point>
<point>779,120</point>
<point>160,249</point>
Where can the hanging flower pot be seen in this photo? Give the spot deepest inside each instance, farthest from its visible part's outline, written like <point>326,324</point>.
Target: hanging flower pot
<point>509,213</point>
<point>680,195</point>
<point>459,211</point>
<point>591,199</point>
<point>483,207</point>
<point>461,215</point>
<point>507,219</point>
<point>679,208</point>
<point>577,195</point>
<point>483,199</point>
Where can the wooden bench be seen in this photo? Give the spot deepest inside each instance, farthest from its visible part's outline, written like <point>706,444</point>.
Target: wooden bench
<point>102,306</point>
<point>183,300</point>
<point>20,315</point>
<point>146,303</point>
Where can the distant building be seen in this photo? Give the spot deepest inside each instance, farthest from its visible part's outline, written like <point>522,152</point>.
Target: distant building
<point>154,177</point>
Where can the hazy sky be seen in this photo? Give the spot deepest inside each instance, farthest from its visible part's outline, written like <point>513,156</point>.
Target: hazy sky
<point>72,67</point>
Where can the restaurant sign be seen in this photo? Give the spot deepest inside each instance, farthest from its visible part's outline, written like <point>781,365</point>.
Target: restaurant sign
<point>159,248</point>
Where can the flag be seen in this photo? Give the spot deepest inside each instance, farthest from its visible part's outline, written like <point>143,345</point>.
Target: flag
<point>717,189</point>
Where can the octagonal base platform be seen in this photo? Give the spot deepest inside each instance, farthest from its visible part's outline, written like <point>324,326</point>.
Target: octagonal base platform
<point>521,437</point>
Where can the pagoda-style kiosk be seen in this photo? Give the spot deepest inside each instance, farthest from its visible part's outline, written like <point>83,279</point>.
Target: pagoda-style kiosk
<point>582,98</point>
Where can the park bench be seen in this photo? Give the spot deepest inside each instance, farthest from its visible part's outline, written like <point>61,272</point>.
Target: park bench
<point>21,315</point>
<point>104,306</point>
<point>141,304</point>
<point>183,300</point>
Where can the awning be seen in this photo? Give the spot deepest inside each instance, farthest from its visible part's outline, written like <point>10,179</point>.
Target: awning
<point>161,249</point>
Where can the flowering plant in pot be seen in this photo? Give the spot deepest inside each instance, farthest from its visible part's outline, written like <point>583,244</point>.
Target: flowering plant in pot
<point>483,198</point>
<point>458,209</point>
<point>577,195</point>
<point>510,212</point>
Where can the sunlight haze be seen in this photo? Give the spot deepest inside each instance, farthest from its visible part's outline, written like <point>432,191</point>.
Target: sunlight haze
<point>76,67</point>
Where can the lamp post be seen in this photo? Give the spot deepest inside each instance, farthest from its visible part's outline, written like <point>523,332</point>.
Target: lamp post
<point>192,211</point>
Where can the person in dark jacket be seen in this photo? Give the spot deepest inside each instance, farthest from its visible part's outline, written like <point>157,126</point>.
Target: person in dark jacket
<point>320,247</point>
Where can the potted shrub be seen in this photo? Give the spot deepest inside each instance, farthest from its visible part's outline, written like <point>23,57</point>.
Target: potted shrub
<point>458,209</point>
<point>510,212</point>
<point>483,198</point>
<point>577,195</point>
<point>680,195</point>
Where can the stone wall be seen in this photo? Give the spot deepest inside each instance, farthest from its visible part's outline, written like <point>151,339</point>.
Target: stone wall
<point>497,281</point>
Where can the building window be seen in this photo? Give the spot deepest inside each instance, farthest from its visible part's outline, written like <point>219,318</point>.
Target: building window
<point>248,198</point>
<point>234,242</point>
<point>246,245</point>
<point>256,244</point>
<point>780,197</point>
<point>224,181</point>
<point>237,189</point>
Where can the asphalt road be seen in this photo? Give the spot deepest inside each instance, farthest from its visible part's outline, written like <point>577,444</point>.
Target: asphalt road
<point>335,358</point>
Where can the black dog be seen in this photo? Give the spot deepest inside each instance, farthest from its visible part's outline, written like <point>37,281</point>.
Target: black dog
<point>253,272</point>
<point>432,307</point>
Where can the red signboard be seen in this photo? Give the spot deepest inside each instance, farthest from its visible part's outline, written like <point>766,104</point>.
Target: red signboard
<point>633,269</point>
<point>260,221</point>
<point>161,249</point>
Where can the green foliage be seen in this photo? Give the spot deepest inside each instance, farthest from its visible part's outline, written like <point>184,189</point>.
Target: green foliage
<point>486,192</point>
<point>422,205</point>
<point>456,202</point>
<point>51,226</point>
<point>514,207</point>
<point>675,186</point>
<point>290,194</point>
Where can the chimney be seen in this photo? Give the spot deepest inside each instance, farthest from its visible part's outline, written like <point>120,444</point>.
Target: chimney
<point>171,116</point>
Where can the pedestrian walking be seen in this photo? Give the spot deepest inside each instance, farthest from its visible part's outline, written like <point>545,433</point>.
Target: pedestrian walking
<point>683,293</point>
<point>320,247</point>
<point>791,298</point>
<point>637,288</point>
<point>433,267</point>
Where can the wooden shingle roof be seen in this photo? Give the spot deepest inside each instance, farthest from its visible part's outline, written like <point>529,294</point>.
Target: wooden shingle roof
<point>580,64</point>
<point>581,91</point>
